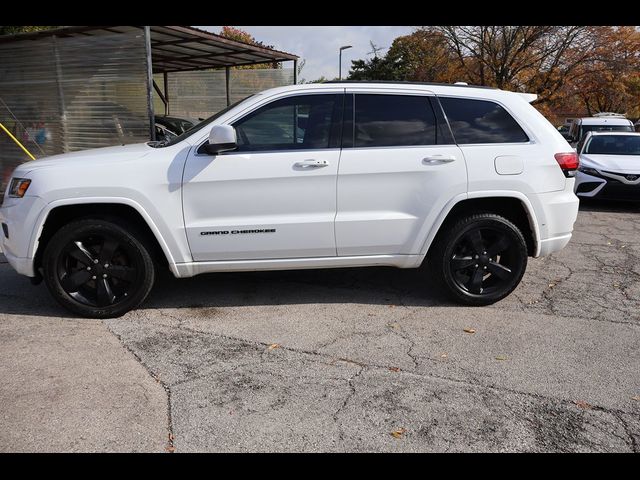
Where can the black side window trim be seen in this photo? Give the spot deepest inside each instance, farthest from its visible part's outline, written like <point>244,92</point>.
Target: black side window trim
<point>348,121</point>
<point>441,116</point>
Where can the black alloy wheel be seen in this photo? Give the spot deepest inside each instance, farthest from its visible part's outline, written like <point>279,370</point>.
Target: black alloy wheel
<point>98,271</point>
<point>482,259</point>
<point>97,268</point>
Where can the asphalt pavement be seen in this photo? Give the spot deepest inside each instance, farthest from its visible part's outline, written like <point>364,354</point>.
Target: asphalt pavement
<point>369,359</point>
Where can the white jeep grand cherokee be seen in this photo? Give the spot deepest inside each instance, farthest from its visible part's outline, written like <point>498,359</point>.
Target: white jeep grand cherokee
<point>471,180</point>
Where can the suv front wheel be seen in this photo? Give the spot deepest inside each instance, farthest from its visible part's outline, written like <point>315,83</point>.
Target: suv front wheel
<point>97,268</point>
<point>480,259</point>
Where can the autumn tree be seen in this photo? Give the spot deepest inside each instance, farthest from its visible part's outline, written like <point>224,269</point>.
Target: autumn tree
<point>610,80</point>
<point>245,37</point>
<point>423,56</point>
<point>536,58</point>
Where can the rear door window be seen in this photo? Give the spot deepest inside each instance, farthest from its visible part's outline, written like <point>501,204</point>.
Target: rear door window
<point>396,120</point>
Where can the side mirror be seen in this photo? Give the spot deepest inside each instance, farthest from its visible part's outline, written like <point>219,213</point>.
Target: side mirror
<point>222,138</point>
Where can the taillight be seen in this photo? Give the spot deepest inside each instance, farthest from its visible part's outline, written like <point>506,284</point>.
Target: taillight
<point>568,162</point>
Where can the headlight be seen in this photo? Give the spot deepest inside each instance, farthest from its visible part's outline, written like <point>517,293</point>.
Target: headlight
<point>589,171</point>
<point>19,187</point>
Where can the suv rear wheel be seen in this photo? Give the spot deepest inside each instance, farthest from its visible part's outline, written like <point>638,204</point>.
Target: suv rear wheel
<point>98,269</point>
<point>480,259</point>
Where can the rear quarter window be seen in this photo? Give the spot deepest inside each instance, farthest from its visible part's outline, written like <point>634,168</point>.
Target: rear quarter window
<point>481,121</point>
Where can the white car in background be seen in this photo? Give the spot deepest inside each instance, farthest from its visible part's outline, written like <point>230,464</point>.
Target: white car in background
<point>600,122</point>
<point>609,166</point>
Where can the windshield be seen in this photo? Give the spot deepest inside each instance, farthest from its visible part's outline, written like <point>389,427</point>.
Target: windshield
<point>614,145</point>
<point>605,128</point>
<point>198,127</point>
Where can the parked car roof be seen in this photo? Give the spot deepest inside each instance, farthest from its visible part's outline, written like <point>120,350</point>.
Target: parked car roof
<point>595,133</point>
<point>605,121</point>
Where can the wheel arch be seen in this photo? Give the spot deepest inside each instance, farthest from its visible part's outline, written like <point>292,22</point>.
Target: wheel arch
<point>58,213</point>
<point>514,206</point>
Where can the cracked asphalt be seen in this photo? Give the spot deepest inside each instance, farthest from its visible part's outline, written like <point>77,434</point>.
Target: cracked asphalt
<point>339,360</point>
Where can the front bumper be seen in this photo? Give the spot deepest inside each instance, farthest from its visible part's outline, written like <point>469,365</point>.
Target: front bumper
<point>20,215</point>
<point>606,188</point>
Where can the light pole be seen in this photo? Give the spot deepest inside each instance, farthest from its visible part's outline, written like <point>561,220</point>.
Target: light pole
<point>340,67</point>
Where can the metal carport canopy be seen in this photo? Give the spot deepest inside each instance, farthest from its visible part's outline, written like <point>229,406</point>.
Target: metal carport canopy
<point>175,49</point>
<point>178,48</point>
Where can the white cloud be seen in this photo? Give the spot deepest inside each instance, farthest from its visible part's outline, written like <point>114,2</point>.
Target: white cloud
<point>319,45</point>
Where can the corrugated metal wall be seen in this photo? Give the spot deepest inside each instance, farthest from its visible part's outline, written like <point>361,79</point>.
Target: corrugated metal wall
<point>200,94</point>
<point>66,94</point>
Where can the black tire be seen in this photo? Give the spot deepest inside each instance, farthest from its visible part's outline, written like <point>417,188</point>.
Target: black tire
<point>97,268</point>
<point>479,270</point>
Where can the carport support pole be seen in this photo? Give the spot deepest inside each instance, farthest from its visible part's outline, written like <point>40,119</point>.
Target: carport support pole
<point>63,109</point>
<point>147,47</point>
<point>227,75</point>
<point>295,72</point>
<point>165,76</point>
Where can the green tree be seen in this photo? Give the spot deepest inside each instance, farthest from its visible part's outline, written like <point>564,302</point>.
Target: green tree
<point>422,56</point>
<point>374,68</point>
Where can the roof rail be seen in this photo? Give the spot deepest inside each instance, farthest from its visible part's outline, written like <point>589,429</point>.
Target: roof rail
<point>395,82</point>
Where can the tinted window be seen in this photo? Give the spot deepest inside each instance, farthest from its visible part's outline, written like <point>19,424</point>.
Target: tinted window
<point>302,122</point>
<point>394,120</point>
<point>614,145</point>
<point>199,126</point>
<point>604,128</point>
<point>481,121</point>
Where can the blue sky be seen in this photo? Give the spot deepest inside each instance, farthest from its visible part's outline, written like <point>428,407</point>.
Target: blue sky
<point>319,45</point>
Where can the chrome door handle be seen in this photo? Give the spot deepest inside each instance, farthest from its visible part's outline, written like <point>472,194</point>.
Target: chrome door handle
<point>438,159</point>
<point>312,164</point>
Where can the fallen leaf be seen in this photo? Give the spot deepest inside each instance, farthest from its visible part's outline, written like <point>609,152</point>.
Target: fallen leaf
<point>636,398</point>
<point>391,306</point>
<point>468,330</point>
<point>273,346</point>
<point>623,246</point>
<point>551,285</point>
<point>444,355</point>
<point>582,404</point>
<point>398,432</point>
<point>394,369</point>
<point>616,285</point>
<point>394,325</point>
<point>170,449</point>
<point>501,357</point>
<point>171,437</point>
<point>608,243</point>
